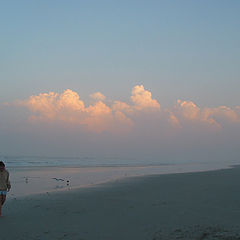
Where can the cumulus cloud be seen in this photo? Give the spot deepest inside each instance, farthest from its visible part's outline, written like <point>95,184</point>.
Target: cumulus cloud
<point>52,105</point>
<point>122,107</point>
<point>142,99</point>
<point>188,110</point>
<point>98,96</point>
<point>119,117</point>
<point>68,107</point>
<point>98,117</point>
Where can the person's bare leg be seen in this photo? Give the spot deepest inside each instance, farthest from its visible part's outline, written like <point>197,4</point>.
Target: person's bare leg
<point>3,199</point>
<point>1,205</point>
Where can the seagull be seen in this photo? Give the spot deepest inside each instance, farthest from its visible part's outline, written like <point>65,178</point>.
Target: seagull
<point>58,179</point>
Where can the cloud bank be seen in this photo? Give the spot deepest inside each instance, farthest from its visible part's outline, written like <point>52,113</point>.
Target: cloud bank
<point>121,117</point>
<point>64,124</point>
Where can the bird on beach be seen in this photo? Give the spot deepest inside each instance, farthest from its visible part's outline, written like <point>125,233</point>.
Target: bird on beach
<point>26,179</point>
<point>58,179</point>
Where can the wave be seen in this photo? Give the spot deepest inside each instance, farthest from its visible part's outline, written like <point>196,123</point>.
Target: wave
<point>45,161</point>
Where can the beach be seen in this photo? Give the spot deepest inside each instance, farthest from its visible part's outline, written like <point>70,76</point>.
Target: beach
<point>200,205</point>
<point>29,180</point>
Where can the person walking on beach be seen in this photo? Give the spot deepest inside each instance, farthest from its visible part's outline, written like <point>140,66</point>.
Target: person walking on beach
<point>4,185</point>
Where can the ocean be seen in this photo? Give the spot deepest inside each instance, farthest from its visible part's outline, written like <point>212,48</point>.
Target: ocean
<point>43,161</point>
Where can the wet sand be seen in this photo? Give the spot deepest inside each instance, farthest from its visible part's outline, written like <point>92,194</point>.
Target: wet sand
<point>204,205</point>
<point>34,180</point>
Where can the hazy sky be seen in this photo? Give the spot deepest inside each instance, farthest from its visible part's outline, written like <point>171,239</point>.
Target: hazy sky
<point>140,78</point>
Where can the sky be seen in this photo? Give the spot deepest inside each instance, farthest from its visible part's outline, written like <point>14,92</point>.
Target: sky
<point>146,79</point>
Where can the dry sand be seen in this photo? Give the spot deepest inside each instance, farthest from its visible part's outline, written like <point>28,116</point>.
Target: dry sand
<point>185,206</point>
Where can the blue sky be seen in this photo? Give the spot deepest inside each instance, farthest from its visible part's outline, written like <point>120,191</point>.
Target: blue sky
<point>178,49</point>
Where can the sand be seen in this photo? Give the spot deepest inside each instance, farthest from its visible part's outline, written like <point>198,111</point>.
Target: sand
<point>199,206</point>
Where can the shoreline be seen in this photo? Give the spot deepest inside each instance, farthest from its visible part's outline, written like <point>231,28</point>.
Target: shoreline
<point>36,180</point>
<point>157,207</point>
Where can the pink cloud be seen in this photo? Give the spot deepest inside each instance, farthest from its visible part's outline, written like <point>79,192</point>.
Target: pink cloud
<point>142,99</point>
<point>119,117</point>
<point>68,107</point>
<point>98,96</point>
<point>188,110</point>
